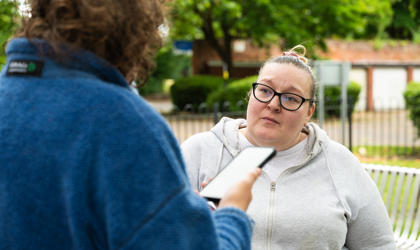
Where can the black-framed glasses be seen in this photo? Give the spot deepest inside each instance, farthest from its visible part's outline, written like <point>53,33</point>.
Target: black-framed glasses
<point>288,101</point>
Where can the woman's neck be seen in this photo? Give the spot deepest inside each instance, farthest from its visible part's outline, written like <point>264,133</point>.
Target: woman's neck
<point>278,146</point>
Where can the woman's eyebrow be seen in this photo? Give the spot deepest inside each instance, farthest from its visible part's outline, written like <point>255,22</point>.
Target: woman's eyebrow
<point>265,81</point>
<point>288,88</point>
<point>292,88</point>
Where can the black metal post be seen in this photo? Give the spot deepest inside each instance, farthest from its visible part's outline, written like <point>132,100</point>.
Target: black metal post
<point>215,112</point>
<point>349,117</point>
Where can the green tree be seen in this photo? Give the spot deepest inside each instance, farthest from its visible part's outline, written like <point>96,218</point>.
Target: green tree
<point>406,20</point>
<point>307,22</point>
<point>378,18</point>
<point>169,65</point>
<point>9,17</point>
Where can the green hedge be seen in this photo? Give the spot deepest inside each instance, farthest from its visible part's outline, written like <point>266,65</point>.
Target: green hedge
<point>412,100</point>
<point>236,94</point>
<point>332,99</point>
<point>168,66</point>
<point>194,89</point>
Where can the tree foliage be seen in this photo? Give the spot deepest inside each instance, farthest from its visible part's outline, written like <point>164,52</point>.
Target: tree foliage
<point>169,65</point>
<point>406,20</point>
<point>412,100</point>
<point>306,22</point>
<point>8,23</point>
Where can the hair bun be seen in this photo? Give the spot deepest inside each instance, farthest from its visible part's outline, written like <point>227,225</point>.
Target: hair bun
<point>293,52</point>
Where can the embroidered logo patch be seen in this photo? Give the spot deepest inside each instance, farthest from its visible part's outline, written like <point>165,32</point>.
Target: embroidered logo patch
<point>25,68</point>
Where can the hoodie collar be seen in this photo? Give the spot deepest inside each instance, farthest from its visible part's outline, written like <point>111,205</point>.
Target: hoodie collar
<point>316,139</point>
<point>227,131</point>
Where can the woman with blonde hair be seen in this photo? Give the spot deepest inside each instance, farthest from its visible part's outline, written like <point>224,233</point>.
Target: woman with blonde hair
<point>313,194</point>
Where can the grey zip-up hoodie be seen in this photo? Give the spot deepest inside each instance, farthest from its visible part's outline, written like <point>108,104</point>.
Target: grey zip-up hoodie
<point>326,202</point>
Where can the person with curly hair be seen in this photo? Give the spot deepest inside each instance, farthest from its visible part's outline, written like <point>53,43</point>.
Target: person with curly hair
<point>313,194</point>
<point>85,163</point>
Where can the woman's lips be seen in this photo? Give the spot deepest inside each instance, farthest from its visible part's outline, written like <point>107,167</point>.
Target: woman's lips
<point>270,120</point>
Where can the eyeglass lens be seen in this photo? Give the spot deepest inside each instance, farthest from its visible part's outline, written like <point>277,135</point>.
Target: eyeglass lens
<point>265,94</point>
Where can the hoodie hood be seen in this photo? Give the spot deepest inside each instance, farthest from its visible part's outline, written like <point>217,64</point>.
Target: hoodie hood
<point>227,131</point>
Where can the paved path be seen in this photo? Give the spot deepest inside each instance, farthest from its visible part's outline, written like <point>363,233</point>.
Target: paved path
<point>161,105</point>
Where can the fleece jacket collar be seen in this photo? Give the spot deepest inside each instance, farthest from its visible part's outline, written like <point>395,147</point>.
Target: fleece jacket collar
<point>76,59</point>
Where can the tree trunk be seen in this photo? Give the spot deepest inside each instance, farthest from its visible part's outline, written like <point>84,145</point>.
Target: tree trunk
<point>224,47</point>
<point>227,42</point>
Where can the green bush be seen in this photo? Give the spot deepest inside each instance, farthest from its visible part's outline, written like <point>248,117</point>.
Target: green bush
<point>412,100</point>
<point>169,65</point>
<point>332,96</point>
<point>194,89</point>
<point>236,93</point>
<point>10,21</point>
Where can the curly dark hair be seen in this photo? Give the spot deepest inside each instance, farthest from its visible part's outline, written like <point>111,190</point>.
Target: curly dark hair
<point>123,32</point>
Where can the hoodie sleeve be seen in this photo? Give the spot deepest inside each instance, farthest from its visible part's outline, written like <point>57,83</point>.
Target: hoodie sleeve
<point>368,224</point>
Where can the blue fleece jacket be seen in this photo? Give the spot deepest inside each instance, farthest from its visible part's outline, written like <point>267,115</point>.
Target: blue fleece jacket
<point>87,164</point>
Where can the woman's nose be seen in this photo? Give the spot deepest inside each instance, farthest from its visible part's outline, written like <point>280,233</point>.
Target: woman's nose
<point>274,104</point>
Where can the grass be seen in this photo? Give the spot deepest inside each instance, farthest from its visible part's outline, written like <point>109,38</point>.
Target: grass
<point>410,163</point>
<point>398,151</point>
<point>389,155</point>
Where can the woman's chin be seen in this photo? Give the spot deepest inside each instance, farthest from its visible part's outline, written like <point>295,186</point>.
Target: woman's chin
<point>268,139</point>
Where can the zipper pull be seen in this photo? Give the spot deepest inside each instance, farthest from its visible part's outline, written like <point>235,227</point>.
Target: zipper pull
<point>273,186</point>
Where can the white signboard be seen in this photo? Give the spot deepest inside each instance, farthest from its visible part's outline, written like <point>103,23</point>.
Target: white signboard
<point>330,73</point>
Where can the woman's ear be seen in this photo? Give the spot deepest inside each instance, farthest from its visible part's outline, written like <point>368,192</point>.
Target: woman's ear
<point>311,111</point>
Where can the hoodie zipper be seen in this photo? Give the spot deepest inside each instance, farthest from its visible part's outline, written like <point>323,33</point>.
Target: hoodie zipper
<point>271,207</point>
<point>270,214</point>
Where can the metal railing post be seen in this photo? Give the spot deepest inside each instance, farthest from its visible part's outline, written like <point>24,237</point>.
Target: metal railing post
<point>349,117</point>
<point>215,113</point>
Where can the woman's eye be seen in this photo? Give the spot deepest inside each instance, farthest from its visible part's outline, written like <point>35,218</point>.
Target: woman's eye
<point>291,99</point>
<point>265,91</point>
